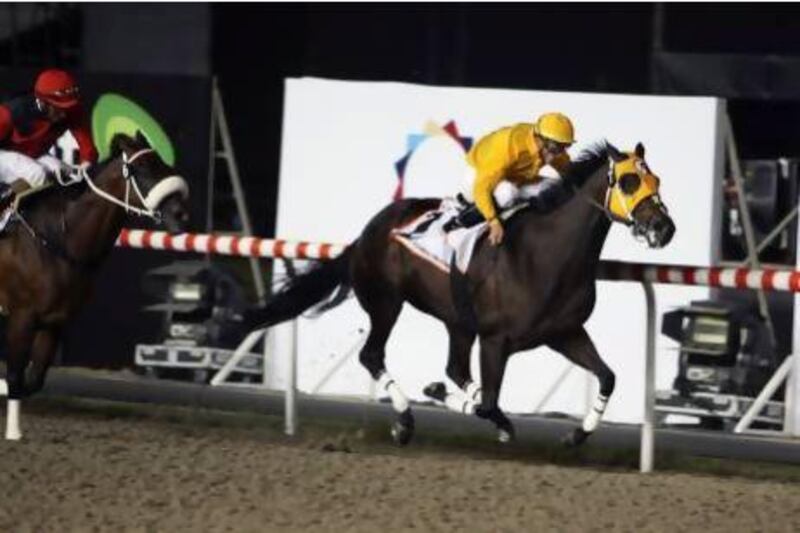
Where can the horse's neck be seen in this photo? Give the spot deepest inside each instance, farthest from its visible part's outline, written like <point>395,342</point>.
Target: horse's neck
<point>93,223</point>
<point>585,224</point>
<point>597,224</point>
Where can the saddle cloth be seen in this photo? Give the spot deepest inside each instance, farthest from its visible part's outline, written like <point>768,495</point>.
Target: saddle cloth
<point>425,237</point>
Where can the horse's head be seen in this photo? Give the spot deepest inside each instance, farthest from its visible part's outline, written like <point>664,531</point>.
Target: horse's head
<point>151,184</point>
<point>633,197</point>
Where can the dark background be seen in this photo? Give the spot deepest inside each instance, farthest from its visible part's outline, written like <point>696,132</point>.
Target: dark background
<point>752,49</point>
<point>747,53</point>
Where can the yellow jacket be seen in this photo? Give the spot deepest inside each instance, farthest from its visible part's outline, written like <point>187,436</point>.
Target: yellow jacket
<point>510,153</point>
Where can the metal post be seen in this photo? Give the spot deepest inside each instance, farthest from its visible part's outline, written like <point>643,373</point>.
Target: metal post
<point>764,396</point>
<point>648,427</point>
<point>791,417</point>
<point>212,163</point>
<point>747,223</point>
<point>238,192</point>
<point>241,351</point>
<point>291,385</point>
<point>265,346</point>
<point>776,231</point>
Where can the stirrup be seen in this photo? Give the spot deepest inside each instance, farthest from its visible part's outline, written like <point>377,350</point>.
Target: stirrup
<point>7,197</point>
<point>466,218</point>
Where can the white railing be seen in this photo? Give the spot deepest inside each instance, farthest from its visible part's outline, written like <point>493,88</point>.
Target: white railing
<point>646,274</point>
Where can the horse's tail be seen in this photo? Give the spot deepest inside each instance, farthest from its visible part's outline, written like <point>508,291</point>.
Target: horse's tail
<point>304,291</point>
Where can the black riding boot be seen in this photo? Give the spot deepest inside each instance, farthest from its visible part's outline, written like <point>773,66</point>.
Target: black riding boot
<point>7,195</point>
<point>466,218</point>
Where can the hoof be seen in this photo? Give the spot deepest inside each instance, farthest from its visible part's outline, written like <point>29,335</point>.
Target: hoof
<point>13,435</point>
<point>436,391</point>
<point>575,438</point>
<point>403,428</point>
<point>505,436</point>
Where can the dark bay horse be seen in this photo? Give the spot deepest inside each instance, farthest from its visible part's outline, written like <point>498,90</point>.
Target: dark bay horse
<point>51,256</point>
<point>537,288</point>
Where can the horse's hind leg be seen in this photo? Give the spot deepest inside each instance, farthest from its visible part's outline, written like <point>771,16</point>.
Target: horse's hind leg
<point>578,348</point>
<point>383,312</point>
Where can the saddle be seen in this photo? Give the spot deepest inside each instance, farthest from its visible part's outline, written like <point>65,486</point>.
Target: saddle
<point>447,235</point>
<point>11,201</point>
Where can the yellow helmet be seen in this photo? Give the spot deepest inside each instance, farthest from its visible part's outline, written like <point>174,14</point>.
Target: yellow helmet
<point>556,127</point>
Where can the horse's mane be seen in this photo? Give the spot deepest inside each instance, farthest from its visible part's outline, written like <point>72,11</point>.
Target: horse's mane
<point>587,163</point>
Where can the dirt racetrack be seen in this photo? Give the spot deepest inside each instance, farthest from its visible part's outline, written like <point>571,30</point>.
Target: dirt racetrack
<point>102,467</point>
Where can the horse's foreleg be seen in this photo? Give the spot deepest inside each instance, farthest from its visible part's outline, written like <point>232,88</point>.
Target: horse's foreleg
<point>578,348</point>
<point>458,370</point>
<point>493,367</point>
<point>20,336</point>
<point>45,344</point>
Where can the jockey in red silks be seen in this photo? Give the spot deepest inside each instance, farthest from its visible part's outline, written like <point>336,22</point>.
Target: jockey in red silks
<point>31,124</point>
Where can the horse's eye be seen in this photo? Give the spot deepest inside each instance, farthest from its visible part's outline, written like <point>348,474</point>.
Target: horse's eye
<point>629,183</point>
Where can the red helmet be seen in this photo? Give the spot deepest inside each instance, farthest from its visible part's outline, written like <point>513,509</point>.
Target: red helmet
<point>57,88</point>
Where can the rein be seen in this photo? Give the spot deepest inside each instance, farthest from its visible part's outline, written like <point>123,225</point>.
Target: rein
<point>166,186</point>
<point>128,174</point>
<point>56,247</point>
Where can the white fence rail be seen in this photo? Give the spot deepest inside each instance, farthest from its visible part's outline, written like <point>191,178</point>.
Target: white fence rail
<point>646,274</point>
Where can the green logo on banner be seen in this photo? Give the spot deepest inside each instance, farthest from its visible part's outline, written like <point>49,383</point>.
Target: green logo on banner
<point>114,114</point>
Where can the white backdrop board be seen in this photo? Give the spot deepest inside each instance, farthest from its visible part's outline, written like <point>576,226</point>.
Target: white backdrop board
<point>342,145</point>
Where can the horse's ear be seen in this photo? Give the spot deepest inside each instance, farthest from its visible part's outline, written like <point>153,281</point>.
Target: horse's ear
<point>116,144</point>
<point>141,139</point>
<point>615,154</point>
<point>639,150</point>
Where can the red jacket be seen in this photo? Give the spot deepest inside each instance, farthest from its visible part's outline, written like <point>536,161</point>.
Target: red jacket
<point>27,130</point>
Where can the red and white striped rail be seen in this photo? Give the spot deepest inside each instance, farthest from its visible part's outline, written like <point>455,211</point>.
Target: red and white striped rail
<point>227,245</point>
<point>737,278</point>
<point>734,278</point>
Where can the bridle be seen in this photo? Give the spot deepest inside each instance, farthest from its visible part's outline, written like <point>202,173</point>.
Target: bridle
<point>614,191</point>
<point>166,186</point>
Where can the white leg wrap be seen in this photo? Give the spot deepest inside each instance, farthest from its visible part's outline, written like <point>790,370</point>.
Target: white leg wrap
<point>458,403</point>
<point>3,388</point>
<point>593,417</point>
<point>473,392</point>
<point>399,400</point>
<point>12,421</point>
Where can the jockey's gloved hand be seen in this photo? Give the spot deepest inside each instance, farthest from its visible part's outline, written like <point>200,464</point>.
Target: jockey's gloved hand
<point>79,171</point>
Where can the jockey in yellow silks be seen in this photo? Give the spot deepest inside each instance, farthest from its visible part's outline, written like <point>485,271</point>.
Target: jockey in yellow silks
<point>507,165</point>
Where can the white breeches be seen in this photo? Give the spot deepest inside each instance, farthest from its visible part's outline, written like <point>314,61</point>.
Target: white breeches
<point>506,193</point>
<point>14,166</point>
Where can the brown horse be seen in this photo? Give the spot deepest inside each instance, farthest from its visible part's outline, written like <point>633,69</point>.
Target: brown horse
<point>50,256</point>
<point>537,288</point>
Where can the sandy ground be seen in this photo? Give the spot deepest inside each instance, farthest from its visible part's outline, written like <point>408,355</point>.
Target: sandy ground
<point>99,472</point>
